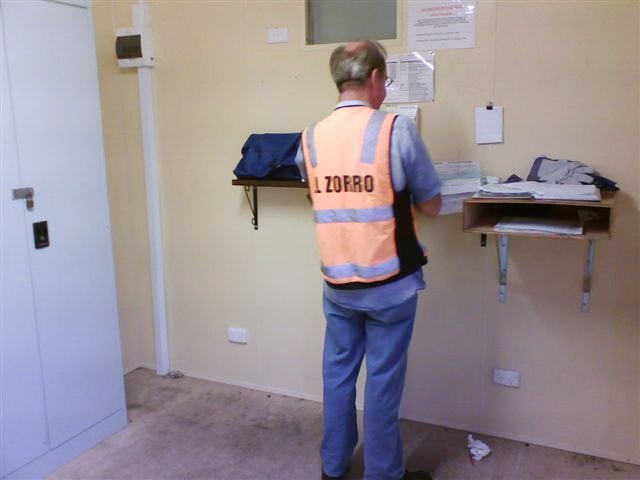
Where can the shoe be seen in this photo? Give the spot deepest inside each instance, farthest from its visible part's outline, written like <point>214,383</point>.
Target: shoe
<point>419,475</point>
<point>329,477</point>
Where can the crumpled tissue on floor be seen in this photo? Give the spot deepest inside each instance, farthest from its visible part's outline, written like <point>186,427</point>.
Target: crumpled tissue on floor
<point>477,449</point>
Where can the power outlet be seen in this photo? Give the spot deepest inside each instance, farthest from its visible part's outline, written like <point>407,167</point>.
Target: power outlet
<point>237,335</point>
<point>507,378</point>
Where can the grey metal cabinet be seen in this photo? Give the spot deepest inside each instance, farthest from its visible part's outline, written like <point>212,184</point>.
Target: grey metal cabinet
<point>62,388</point>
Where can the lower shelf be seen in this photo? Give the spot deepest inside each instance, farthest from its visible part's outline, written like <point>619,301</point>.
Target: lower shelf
<point>480,215</point>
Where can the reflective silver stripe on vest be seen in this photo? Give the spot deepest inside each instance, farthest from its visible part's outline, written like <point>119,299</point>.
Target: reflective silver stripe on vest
<point>349,270</point>
<point>356,215</point>
<point>311,145</point>
<point>369,144</point>
<point>368,154</point>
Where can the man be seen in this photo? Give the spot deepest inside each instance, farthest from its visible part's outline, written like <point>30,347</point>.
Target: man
<point>366,169</point>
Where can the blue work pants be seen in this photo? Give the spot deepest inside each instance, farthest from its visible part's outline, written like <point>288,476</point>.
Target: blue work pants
<point>384,336</point>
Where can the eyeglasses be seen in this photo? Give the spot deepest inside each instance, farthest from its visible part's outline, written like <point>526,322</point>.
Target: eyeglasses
<point>388,82</point>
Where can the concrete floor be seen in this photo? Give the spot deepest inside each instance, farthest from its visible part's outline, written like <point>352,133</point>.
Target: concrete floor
<point>194,429</point>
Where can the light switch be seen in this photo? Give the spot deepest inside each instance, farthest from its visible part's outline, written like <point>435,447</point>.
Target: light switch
<point>237,335</point>
<point>278,35</point>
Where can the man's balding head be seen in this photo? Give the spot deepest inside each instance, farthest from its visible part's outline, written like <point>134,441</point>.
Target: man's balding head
<point>352,64</point>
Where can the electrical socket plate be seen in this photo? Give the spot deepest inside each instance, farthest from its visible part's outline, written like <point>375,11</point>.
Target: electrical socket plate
<point>237,335</point>
<point>507,378</point>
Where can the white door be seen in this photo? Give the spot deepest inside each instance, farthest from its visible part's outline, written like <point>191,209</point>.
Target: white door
<point>52,77</point>
<point>23,431</point>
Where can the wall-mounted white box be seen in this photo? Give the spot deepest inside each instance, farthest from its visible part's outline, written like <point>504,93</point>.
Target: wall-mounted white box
<point>507,378</point>
<point>237,335</point>
<point>134,47</point>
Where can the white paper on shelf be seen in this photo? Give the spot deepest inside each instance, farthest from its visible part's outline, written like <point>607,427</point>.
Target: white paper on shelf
<point>549,191</point>
<point>536,225</point>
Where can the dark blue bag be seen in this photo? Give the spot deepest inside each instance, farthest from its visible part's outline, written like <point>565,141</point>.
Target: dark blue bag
<point>270,156</point>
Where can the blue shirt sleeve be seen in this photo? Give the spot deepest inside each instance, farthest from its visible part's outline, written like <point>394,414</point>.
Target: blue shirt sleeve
<point>300,162</point>
<point>411,165</point>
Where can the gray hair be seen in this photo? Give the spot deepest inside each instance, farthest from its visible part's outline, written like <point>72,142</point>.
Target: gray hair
<point>355,62</point>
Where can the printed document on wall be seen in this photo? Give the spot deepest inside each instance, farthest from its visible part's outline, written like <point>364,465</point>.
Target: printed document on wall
<point>409,111</point>
<point>436,25</point>
<point>412,75</point>
<point>488,125</point>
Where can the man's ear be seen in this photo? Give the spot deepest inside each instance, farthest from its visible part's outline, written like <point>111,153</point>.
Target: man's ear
<point>380,76</point>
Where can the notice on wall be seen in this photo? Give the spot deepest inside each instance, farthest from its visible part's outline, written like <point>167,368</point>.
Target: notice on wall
<point>409,111</point>
<point>488,125</point>
<point>437,25</point>
<point>412,76</point>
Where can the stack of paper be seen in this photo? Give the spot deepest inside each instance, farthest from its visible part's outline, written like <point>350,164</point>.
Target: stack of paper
<point>538,225</point>
<point>557,191</point>
<point>500,190</point>
<point>460,180</point>
<point>550,191</point>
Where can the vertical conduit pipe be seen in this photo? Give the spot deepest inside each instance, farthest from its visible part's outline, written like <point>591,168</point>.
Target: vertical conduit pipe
<point>140,16</point>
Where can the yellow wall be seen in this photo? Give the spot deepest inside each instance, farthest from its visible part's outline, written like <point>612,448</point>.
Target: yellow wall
<point>125,172</point>
<point>567,76</point>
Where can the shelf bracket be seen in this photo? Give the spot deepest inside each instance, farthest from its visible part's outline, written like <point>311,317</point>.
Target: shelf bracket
<point>503,260</point>
<point>586,283</point>
<point>253,206</point>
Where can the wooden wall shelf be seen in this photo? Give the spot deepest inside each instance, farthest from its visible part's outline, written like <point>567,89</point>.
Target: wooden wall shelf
<point>480,215</point>
<point>269,183</point>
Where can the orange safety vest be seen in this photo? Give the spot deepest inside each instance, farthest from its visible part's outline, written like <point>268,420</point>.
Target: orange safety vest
<point>366,231</point>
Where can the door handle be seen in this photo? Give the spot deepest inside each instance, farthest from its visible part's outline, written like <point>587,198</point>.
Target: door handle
<point>24,194</point>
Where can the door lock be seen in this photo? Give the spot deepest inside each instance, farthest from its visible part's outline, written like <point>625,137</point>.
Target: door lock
<point>24,194</point>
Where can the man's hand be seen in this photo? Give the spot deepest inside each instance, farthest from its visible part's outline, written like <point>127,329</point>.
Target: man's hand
<point>431,207</point>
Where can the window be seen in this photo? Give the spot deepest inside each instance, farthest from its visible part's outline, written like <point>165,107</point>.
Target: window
<point>339,21</point>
